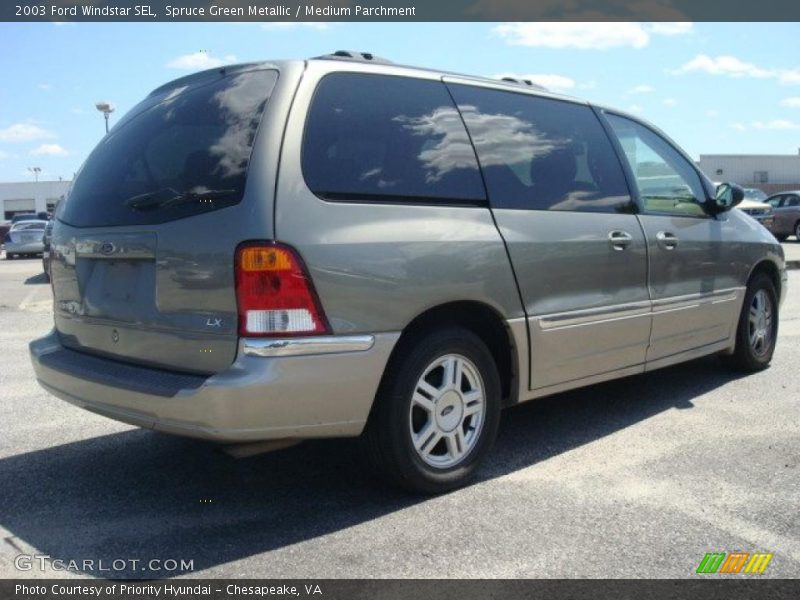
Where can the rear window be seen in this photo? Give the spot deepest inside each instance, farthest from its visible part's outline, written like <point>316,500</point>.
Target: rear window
<point>184,153</point>
<point>391,139</point>
<point>23,226</point>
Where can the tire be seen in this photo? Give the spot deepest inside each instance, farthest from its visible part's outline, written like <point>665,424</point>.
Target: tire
<point>414,401</point>
<point>797,231</point>
<point>781,237</point>
<point>750,356</point>
<point>9,256</point>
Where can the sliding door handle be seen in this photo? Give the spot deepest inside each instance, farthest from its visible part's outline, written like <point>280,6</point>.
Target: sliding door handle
<point>667,240</point>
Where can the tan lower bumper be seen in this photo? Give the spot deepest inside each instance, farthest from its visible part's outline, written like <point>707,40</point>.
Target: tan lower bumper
<point>257,398</point>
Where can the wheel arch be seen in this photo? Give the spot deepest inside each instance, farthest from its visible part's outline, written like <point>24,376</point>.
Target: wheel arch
<point>771,269</point>
<point>485,322</point>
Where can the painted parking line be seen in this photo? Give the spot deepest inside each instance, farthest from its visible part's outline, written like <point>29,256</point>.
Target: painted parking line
<point>28,299</point>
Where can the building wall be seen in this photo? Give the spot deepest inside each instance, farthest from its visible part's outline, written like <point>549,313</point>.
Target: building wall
<point>23,196</point>
<point>769,172</point>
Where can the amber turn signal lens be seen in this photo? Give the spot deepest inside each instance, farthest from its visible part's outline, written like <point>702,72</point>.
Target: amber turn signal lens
<point>265,259</point>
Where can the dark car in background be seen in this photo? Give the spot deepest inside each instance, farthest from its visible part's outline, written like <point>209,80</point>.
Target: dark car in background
<point>786,207</point>
<point>24,217</point>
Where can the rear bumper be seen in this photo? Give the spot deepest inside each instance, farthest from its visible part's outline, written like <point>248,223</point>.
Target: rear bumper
<point>26,248</point>
<point>260,397</point>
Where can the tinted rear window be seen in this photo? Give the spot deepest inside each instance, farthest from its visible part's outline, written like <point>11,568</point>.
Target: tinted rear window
<point>385,138</point>
<point>542,154</point>
<point>184,153</point>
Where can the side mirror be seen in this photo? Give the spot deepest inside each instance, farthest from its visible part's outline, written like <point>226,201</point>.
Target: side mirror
<point>728,195</point>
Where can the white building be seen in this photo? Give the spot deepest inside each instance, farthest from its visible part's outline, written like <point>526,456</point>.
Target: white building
<point>769,172</point>
<point>30,196</point>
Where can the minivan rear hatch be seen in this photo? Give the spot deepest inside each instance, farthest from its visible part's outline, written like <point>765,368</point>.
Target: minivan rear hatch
<point>144,246</point>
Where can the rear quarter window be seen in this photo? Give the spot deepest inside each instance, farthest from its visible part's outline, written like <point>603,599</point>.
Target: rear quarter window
<point>386,138</point>
<point>180,154</point>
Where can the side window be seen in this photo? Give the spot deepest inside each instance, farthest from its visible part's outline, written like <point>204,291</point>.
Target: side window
<point>386,138</point>
<point>667,182</point>
<point>793,201</point>
<point>542,154</point>
<point>775,201</point>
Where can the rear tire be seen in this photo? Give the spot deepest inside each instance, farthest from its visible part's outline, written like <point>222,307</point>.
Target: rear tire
<point>757,330</point>
<point>9,256</point>
<point>781,237</point>
<point>436,413</point>
<point>797,231</point>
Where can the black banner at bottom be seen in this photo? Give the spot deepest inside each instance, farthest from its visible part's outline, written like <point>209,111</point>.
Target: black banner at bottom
<point>394,589</point>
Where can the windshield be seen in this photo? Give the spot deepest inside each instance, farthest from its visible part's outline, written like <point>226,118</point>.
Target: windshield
<point>189,143</point>
<point>754,194</point>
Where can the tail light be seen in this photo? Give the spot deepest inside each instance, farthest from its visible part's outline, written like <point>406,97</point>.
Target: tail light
<point>274,293</point>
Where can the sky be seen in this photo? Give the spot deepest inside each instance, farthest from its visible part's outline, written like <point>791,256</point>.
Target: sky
<point>713,87</point>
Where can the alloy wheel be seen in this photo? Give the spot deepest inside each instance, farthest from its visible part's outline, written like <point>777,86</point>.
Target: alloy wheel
<point>760,323</point>
<point>447,412</point>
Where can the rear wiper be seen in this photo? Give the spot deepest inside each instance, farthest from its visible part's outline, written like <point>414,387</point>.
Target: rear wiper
<point>153,200</point>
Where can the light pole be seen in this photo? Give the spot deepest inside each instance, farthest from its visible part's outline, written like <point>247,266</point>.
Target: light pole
<point>35,171</point>
<point>106,108</point>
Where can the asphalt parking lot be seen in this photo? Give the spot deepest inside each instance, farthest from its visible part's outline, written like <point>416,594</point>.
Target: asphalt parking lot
<point>634,478</point>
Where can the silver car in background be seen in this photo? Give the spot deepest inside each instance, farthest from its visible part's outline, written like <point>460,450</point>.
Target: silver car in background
<point>25,239</point>
<point>755,204</point>
<point>343,247</point>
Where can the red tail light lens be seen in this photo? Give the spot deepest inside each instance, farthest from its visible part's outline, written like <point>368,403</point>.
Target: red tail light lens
<point>274,293</point>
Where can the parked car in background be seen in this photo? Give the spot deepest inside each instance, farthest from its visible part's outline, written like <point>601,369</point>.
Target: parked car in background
<point>48,234</point>
<point>25,239</point>
<point>786,207</point>
<point>755,205</point>
<point>342,247</point>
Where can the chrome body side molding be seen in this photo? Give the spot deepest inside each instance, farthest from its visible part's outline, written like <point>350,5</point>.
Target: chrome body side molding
<point>330,344</point>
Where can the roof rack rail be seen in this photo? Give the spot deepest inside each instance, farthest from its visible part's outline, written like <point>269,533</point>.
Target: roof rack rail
<point>526,82</point>
<point>366,57</point>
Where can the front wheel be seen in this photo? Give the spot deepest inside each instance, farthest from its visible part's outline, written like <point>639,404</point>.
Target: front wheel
<point>436,414</point>
<point>757,330</point>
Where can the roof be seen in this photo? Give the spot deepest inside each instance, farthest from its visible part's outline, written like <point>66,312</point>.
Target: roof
<point>380,64</point>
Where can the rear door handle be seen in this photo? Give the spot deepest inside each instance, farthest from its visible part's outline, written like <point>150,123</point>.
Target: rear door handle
<point>620,240</point>
<point>667,240</point>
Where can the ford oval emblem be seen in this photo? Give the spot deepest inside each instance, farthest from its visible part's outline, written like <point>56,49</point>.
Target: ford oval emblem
<point>107,248</point>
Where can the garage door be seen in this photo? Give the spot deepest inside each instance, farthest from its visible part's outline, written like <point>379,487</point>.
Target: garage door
<point>11,207</point>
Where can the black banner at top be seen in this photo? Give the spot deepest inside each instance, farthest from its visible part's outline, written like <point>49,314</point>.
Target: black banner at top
<point>398,10</point>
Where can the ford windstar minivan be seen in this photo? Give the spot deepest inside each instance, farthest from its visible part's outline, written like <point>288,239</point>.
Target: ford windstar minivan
<point>345,247</point>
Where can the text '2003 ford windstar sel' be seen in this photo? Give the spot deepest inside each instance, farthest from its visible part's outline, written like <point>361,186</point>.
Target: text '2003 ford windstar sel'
<point>345,247</point>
